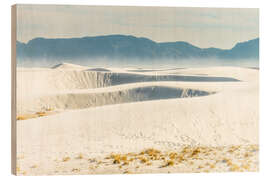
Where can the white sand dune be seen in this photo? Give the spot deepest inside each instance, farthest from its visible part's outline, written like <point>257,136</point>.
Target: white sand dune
<point>99,69</point>
<point>80,99</point>
<point>123,111</point>
<point>35,85</point>
<point>67,66</point>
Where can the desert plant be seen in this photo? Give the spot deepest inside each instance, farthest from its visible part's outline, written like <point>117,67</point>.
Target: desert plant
<point>65,159</point>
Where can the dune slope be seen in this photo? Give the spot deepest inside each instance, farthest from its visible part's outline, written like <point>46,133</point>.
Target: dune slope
<point>98,117</point>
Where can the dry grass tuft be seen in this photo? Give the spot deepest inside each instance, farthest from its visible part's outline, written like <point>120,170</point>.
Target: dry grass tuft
<point>127,172</point>
<point>180,158</point>
<point>246,166</point>
<point>126,163</point>
<point>246,155</point>
<point>34,166</point>
<point>123,157</point>
<point>195,152</point>
<point>143,160</point>
<point>47,112</point>
<point>41,113</point>
<point>212,166</point>
<point>116,158</point>
<point>91,167</point>
<point>188,155</point>
<point>75,170</point>
<point>229,162</point>
<point>21,118</point>
<point>173,155</point>
<point>116,161</point>
<point>186,150</point>
<point>141,153</point>
<point>65,159</point>
<point>234,168</point>
<point>26,116</point>
<point>49,109</point>
<point>152,152</point>
<point>80,156</point>
<point>169,163</point>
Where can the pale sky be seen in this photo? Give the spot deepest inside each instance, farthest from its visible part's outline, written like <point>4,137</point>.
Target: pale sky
<point>202,27</point>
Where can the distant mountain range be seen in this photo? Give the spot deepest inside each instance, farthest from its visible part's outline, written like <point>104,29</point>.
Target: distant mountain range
<point>122,46</point>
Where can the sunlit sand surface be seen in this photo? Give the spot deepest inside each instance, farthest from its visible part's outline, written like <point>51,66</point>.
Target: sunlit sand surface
<point>84,120</point>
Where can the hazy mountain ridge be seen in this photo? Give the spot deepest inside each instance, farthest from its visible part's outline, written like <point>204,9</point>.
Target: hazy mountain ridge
<point>122,46</point>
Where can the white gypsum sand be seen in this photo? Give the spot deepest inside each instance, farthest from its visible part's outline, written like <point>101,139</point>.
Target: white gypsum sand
<point>84,120</point>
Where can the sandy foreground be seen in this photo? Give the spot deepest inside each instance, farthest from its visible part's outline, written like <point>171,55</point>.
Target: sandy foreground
<point>82,120</point>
